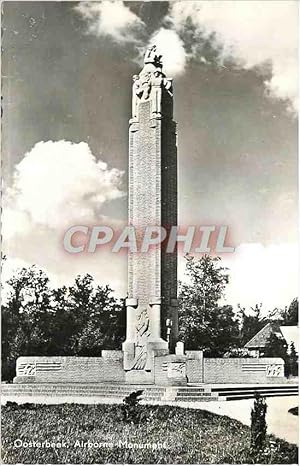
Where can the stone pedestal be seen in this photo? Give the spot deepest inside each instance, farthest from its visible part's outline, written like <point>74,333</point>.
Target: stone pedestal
<point>143,339</point>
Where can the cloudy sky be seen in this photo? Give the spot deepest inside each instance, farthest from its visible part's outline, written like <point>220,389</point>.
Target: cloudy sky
<point>67,69</point>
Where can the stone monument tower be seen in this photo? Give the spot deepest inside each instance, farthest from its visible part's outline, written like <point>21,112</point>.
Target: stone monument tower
<point>152,321</point>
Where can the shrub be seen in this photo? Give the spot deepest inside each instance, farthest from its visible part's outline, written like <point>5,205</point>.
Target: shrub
<point>131,408</point>
<point>258,425</point>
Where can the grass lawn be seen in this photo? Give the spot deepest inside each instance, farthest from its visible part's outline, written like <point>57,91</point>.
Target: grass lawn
<point>164,434</point>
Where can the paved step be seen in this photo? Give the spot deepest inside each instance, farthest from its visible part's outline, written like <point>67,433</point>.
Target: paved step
<point>105,392</point>
<point>66,393</point>
<point>127,388</point>
<point>197,398</point>
<point>87,393</point>
<point>151,394</point>
<point>248,397</point>
<point>192,390</point>
<point>74,393</point>
<point>220,388</point>
<point>195,394</point>
<point>252,392</point>
<point>74,387</point>
<point>248,392</point>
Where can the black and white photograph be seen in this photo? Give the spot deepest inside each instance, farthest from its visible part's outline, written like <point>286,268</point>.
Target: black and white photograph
<point>149,232</point>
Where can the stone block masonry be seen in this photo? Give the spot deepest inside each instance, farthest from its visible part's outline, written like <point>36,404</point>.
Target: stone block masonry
<point>152,322</point>
<point>42,369</point>
<point>243,370</point>
<point>169,370</point>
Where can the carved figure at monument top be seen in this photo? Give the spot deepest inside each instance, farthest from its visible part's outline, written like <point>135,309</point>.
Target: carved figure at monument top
<point>151,56</point>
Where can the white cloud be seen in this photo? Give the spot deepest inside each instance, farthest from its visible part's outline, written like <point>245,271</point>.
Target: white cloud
<point>259,274</point>
<point>58,184</point>
<point>263,274</point>
<point>171,47</point>
<point>110,18</point>
<point>253,32</point>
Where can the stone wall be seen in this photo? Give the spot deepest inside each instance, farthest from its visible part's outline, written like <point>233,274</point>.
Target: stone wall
<point>176,370</point>
<point>169,369</point>
<point>243,370</point>
<point>40,369</point>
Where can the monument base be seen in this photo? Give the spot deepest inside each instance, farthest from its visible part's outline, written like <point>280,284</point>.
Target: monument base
<point>135,377</point>
<point>143,358</point>
<point>64,369</point>
<point>166,370</point>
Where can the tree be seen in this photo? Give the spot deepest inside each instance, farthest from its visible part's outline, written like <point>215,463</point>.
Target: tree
<point>251,322</point>
<point>275,347</point>
<point>60,324</point>
<point>258,425</point>
<point>203,323</point>
<point>105,325</point>
<point>84,319</point>
<point>289,316</point>
<point>81,319</point>
<point>25,317</point>
<point>292,361</point>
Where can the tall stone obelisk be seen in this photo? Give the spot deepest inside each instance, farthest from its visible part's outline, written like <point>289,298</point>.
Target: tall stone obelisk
<point>152,321</point>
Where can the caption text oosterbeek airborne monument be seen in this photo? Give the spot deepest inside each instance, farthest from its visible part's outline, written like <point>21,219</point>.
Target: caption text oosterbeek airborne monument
<point>150,353</point>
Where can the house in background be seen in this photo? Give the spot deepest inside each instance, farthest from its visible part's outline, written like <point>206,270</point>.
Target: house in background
<point>287,333</point>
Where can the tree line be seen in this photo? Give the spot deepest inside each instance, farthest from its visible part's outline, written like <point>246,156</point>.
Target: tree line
<point>84,318</point>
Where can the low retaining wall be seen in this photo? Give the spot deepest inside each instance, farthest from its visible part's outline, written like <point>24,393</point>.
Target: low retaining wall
<point>169,370</point>
<point>243,370</point>
<point>40,369</point>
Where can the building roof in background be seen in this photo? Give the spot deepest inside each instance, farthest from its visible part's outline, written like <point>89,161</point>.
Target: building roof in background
<point>287,332</point>
<point>260,339</point>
